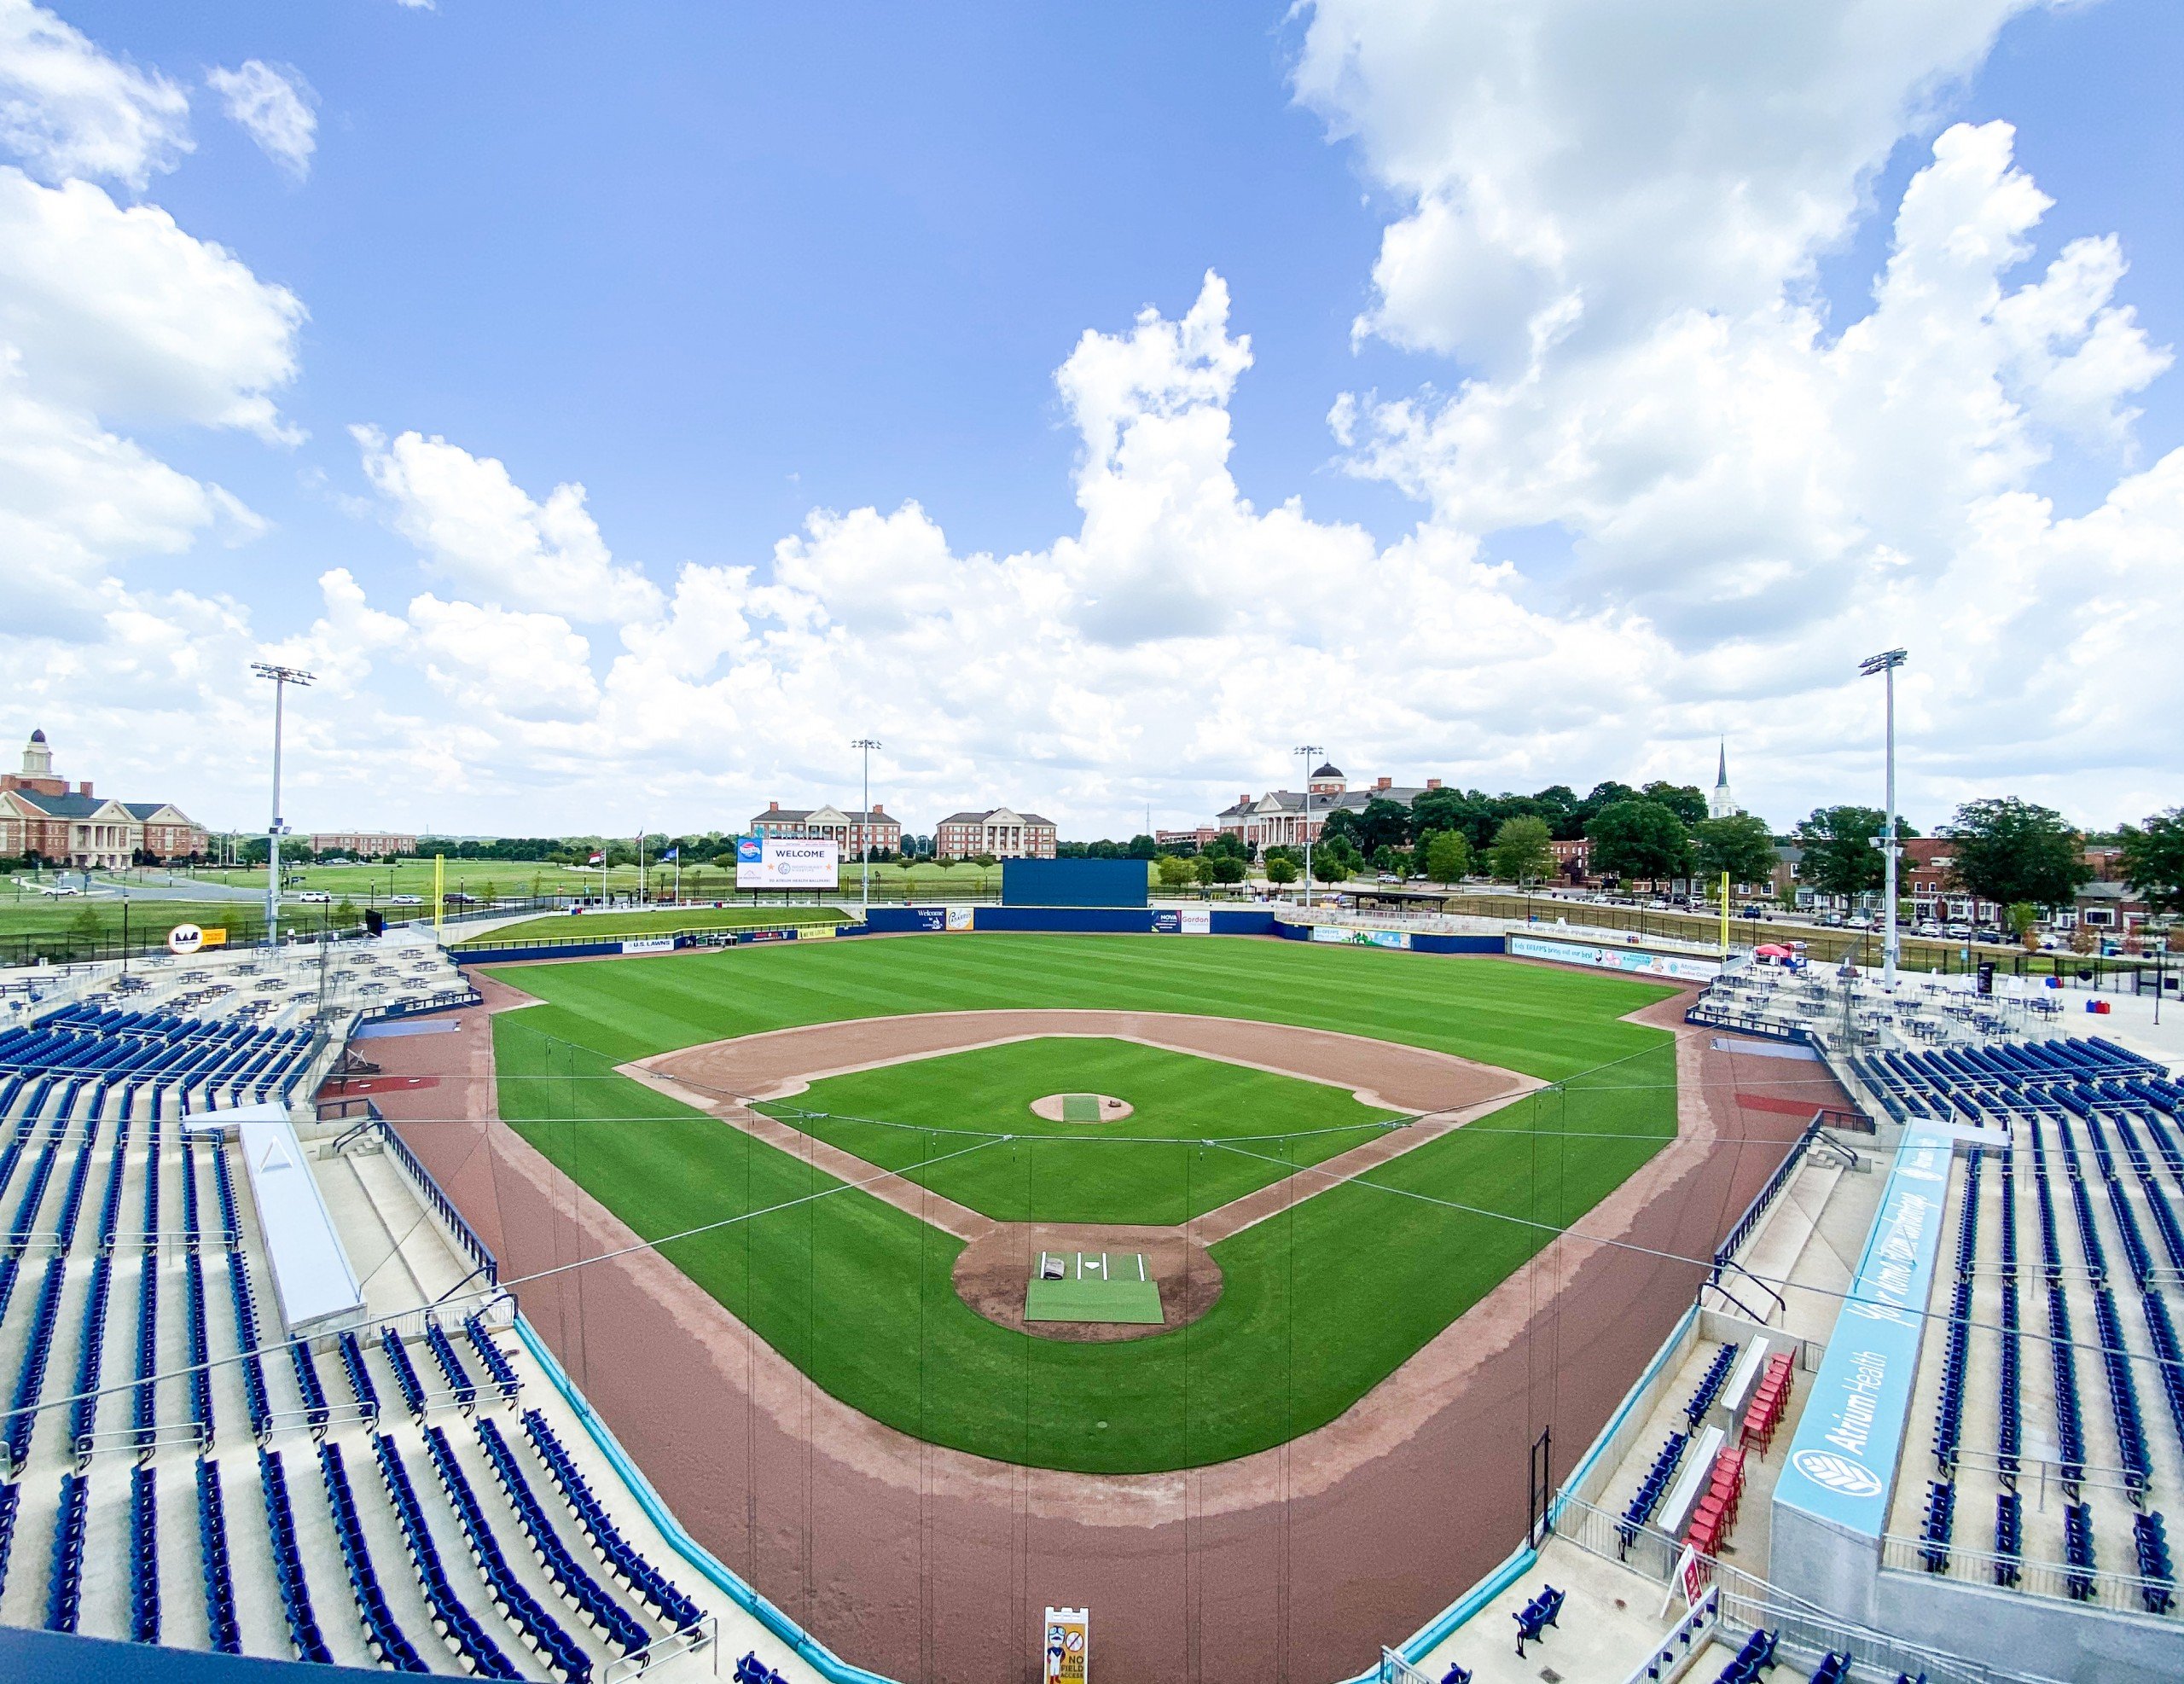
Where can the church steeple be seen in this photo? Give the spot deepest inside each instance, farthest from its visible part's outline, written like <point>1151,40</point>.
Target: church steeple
<point>1722,804</point>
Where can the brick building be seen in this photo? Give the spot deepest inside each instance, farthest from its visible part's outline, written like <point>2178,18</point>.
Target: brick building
<point>365,844</point>
<point>855,832</point>
<point>999,832</point>
<point>40,814</point>
<point>1283,818</point>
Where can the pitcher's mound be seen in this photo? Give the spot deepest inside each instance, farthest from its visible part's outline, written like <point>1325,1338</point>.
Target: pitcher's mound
<point>1082,1108</point>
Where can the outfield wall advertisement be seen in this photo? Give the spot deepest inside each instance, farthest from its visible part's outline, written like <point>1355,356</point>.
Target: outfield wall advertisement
<point>1636,961</point>
<point>787,863</point>
<point>1342,936</point>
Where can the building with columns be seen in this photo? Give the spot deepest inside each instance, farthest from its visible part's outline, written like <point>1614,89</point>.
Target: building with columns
<point>40,814</point>
<point>855,831</point>
<point>1005,834</point>
<point>1283,818</point>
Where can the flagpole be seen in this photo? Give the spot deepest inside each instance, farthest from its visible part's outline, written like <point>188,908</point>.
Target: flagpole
<point>641,865</point>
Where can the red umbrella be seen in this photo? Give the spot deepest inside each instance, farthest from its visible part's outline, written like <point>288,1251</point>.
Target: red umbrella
<point>1771,950</point>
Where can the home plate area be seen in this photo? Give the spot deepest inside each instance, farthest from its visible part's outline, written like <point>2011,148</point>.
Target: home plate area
<point>1092,1287</point>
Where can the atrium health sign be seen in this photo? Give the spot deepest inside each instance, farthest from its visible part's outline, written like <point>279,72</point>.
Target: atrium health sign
<point>1843,1460</point>
<point>787,863</point>
<point>1634,960</point>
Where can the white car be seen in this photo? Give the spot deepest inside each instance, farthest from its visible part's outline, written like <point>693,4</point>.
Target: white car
<point>59,889</point>
<point>314,895</point>
<point>405,900</point>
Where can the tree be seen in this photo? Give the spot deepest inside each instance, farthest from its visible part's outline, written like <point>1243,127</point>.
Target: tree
<point>2153,860</point>
<point>2008,850</point>
<point>2023,916</point>
<point>1391,861</point>
<point>1448,856</point>
<point>1142,847</point>
<point>1841,856</point>
<point>1523,849</point>
<point>1683,799</point>
<point>1383,824</point>
<point>1639,839</point>
<point>1741,845</point>
<point>1228,869</point>
<point>1334,867</point>
<point>1281,870</point>
<point>1227,844</point>
<point>1174,870</point>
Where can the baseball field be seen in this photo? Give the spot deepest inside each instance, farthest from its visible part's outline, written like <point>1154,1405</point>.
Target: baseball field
<point>1326,1225</point>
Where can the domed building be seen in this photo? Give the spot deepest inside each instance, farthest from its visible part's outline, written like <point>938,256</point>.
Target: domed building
<point>41,816</point>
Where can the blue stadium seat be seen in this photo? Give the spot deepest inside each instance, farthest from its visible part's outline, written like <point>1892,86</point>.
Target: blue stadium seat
<point>621,1560</point>
<point>220,1627</point>
<point>304,1634</point>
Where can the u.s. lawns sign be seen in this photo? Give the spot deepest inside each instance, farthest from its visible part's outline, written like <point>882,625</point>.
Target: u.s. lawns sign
<point>1843,1459</point>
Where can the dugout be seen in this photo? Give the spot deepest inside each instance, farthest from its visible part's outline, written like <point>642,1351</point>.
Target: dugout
<point>1074,882</point>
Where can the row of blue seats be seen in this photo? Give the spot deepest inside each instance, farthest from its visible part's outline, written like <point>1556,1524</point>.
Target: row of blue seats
<point>553,1645</point>
<point>143,1555</point>
<point>2123,1396</point>
<point>1709,1385</point>
<point>304,1638</point>
<point>2009,1537</point>
<point>1939,1522</point>
<point>1651,1489</point>
<point>224,1631</point>
<point>600,1611</point>
<point>456,1624</point>
<point>2156,1571</point>
<point>383,1636</point>
<point>1949,1423</point>
<point>622,1561</point>
<point>64,1595</point>
<point>2077,1551</point>
<point>1752,1660</point>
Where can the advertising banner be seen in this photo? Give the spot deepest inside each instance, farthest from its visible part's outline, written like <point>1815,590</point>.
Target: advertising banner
<point>1635,961</point>
<point>1347,937</point>
<point>185,938</point>
<point>1843,1459</point>
<point>959,917</point>
<point>787,863</point>
<point>1197,921</point>
<point>1068,1647</point>
<point>1167,923</point>
<point>649,944</point>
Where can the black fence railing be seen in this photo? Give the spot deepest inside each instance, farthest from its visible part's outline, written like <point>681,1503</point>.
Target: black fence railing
<point>458,1226</point>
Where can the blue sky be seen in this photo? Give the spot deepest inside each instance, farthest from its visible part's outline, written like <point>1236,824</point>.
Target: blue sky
<point>723,269</point>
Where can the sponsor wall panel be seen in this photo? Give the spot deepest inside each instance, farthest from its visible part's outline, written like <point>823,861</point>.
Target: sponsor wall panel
<point>1842,1460</point>
<point>1684,967</point>
<point>1342,935</point>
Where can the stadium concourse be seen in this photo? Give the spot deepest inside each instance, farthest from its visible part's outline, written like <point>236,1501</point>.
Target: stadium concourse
<point>263,1395</point>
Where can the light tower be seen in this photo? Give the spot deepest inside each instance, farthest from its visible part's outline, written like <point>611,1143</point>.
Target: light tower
<point>864,824</point>
<point>283,677</point>
<point>1309,752</point>
<point>1885,664</point>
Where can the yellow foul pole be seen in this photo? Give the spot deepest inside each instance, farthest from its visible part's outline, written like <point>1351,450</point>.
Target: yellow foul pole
<point>1725,914</point>
<point>440,891</point>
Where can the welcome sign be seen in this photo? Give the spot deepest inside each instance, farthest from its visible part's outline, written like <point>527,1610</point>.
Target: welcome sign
<point>1843,1460</point>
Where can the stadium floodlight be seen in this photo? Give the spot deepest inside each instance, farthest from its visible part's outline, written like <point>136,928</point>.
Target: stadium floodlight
<point>283,677</point>
<point>864,824</point>
<point>1309,752</point>
<point>1885,664</point>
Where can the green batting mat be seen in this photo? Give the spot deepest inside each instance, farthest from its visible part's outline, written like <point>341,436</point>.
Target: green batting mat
<point>1093,1286</point>
<point>1080,1107</point>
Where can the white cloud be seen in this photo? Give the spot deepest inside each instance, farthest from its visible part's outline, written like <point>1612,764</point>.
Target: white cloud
<point>523,666</point>
<point>1587,165</point>
<point>68,109</point>
<point>274,104</point>
<point>476,526</point>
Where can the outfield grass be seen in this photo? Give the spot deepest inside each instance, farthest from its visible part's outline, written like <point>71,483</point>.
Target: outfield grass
<point>657,922</point>
<point>37,916</point>
<point>1318,1305</point>
<point>1141,1170</point>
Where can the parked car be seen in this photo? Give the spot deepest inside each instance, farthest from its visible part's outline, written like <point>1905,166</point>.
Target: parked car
<point>405,900</point>
<point>456,898</point>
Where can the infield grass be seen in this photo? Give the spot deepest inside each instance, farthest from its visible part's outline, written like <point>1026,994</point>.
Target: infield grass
<point>1318,1304</point>
<point>1141,1170</point>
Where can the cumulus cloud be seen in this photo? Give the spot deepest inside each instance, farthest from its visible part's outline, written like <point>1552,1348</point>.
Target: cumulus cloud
<point>274,105</point>
<point>67,109</point>
<point>1587,166</point>
<point>474,523</point>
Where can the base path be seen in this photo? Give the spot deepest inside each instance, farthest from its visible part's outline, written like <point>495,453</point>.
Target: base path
<point>926,1564</point>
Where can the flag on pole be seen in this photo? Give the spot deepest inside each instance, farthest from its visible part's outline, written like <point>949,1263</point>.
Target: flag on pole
<point>672,854</point>
<point>598,859</point>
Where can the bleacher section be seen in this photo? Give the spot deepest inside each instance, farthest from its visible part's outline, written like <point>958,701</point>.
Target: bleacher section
<point>2082,1166</point>
<point>172,1471</point>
